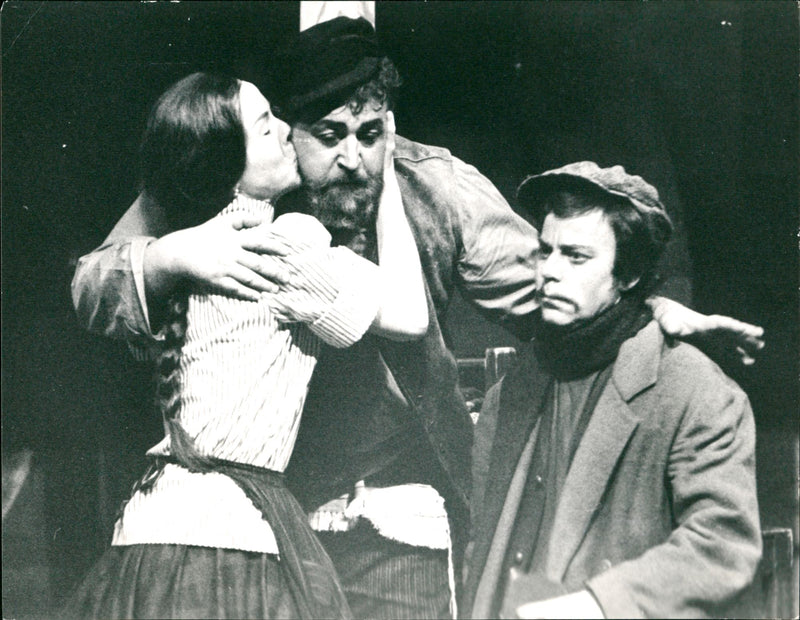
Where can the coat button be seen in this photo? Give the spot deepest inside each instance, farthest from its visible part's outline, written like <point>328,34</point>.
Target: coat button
<point>539,479</point>
<point>518,557</point>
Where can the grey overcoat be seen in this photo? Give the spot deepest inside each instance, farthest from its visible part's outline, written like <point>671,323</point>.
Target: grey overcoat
<point>658,516</point>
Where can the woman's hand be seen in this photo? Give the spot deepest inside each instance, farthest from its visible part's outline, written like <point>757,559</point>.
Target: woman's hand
<point>223,255</point>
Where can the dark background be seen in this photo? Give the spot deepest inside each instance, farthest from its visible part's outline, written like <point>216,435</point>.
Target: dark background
<point>699,98</point>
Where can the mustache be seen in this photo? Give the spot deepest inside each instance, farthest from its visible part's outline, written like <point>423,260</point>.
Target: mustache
<point>350,204</point>
<point>545,295</point>
<point>345,185</point>
<point>345,178</point>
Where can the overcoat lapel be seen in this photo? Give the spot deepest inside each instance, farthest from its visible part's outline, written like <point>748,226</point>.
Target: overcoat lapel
<point>609,430</point>
<point>486,586</point>
<point>521,399</point>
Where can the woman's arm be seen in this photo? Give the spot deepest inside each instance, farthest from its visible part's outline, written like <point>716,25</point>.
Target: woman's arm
<point>402,302</point>
<point>120,288</point>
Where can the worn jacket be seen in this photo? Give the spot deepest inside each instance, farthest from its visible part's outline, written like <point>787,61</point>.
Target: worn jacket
<point>658,515</point>
<point>468,238</point>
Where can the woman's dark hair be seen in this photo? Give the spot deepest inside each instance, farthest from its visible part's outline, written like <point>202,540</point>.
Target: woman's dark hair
<point>640,238</point>
<point>193,150</point>
<point>193,153</point>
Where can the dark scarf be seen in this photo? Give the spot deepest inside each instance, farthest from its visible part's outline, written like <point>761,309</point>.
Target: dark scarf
<point>577,350</point>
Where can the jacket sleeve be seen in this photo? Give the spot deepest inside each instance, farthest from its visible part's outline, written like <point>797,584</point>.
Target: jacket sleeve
<point>496,267</point>
<point>108,289</point>
<point>714,548</point>
<point>335,295</point>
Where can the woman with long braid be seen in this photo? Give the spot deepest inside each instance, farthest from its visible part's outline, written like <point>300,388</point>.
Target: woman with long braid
<point>210,530</point>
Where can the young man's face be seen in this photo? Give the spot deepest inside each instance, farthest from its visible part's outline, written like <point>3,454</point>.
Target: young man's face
<point>575,267</point>
<point>341,147</point>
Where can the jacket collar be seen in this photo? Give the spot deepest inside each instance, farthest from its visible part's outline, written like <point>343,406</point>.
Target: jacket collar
<point>637,364</point>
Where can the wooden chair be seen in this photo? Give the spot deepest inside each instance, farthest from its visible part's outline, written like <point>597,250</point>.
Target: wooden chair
<point>483,373</point>
<point>773,593</point>
<point>477,375</point>
<point>775,579</point>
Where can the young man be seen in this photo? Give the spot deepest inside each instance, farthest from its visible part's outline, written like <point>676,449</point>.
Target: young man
<point>382,459</point>
<point>614,467</point>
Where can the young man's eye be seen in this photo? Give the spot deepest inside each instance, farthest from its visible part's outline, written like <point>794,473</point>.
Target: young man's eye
<point>577,259</point>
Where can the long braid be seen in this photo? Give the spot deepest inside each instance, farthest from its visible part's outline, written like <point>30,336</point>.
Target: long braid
<point>167,391</point>
<point>168,386</point>
<point>167,397</point>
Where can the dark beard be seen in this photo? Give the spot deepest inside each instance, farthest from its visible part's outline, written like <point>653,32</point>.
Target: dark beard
<point>348,209</point>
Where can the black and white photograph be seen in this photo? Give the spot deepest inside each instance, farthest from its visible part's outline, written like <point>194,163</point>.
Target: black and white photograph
<point>385,310</point>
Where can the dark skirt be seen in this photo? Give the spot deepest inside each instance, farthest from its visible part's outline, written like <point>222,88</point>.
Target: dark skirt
<point>180,581</point>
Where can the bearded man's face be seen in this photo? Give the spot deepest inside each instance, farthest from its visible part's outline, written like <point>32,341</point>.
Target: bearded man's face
<point>340,157</point>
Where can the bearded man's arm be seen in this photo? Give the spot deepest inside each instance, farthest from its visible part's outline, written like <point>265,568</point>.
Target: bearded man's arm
<point>121,288</point>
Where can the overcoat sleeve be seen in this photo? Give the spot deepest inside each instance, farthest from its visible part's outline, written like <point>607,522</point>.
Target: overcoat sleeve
<point>715,545</point>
